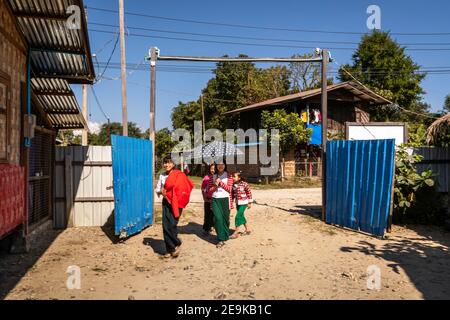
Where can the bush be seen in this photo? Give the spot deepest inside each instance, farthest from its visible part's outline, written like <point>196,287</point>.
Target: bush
<point>415,197</point>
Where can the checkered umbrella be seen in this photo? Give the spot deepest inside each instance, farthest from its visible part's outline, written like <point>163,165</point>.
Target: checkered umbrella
<point>214,151</point>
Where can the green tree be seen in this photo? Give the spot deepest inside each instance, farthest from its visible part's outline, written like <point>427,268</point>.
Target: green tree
<point>291,128</point>
<point>106,130</point>
<point>234,85</point>
<point>184,115</point>
<point>164,143</point>
<point>67,137</point>
<point>447,104</point>
<point>305,76</point>
<point>382,64</point>
<point>264,84</point>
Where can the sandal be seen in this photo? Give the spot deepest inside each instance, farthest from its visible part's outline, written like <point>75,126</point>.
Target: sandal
<point>234,236</point>
<point>247,233</point>
<point>220,244</point>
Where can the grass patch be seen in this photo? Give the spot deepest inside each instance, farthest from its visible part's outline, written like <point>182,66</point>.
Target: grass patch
<point>289,183</point>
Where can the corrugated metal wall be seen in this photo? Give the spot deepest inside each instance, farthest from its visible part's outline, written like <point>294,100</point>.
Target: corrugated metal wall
<point>93,199</point>
<point>133,184</point>
<point>12,197</point>
<point>438,160</point>
<point>359,184</point>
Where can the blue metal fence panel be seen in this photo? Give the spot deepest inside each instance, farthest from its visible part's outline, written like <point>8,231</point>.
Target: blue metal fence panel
<point>133,184</point>
<point>359,183</point>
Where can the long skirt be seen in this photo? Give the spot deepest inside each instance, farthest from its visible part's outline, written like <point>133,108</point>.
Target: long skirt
<point>240,217</point>
<point>208,221</point>
<point>221,211</point>
<point>170,230</point>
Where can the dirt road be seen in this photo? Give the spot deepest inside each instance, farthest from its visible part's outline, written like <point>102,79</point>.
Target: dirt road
<point>290,255</point>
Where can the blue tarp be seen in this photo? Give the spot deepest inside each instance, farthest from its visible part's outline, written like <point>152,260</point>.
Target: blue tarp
<point>316,137</point>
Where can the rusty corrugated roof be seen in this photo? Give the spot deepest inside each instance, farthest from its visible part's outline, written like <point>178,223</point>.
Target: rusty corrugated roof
<point>58,102</point>
<point>57,50</point>
<point>361,92</point>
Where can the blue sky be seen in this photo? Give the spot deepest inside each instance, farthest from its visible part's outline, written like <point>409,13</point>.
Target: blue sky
<point>399,16</point>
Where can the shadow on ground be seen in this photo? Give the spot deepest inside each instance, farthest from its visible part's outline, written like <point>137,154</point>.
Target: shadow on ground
<point>197,229</point>
<point>14,266</point>
<point>426,259</point>
<point>157,245</point>
<point>307,210</point>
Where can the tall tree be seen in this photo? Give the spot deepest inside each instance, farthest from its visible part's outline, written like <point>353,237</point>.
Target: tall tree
<point>103,137</point>
<point>447,104</point>
<point>382,64</point>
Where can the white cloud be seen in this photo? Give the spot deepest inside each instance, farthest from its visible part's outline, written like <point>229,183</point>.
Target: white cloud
<point>94,127</point>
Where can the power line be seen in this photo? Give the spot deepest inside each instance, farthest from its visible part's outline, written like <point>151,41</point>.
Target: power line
<point>109,59</point>
<point>258,38</point>
<point>260,27</point>
<point>253,44</point>
<point>98,103</point>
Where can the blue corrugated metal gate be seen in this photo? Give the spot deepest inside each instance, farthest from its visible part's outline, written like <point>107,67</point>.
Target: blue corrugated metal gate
<point>133,184</point>
<point>359,182</point>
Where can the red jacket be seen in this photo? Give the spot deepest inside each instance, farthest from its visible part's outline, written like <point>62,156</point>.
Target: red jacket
<point>178,191</point>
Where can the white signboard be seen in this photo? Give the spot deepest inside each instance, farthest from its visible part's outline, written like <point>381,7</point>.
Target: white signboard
<point>377,130</point>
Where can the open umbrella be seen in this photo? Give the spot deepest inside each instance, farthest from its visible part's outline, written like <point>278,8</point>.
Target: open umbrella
<point>213,151</point>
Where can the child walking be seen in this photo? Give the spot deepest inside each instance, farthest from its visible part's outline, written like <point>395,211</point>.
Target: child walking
<point>208,220</point>
<point>243,196</point>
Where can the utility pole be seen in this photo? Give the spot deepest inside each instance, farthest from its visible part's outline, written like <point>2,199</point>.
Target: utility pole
<point>152,135</point>
<point>84,135</point>
<point>123,69</point>
<point>203,119</point>
<point>324,111</point>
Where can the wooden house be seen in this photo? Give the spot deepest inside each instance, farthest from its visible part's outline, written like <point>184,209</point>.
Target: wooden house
<point>41,54</point>
<point>347,102</point>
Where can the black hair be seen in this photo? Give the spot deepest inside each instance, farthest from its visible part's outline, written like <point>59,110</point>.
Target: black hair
<point>239,174</point>
<point>221,162</point>
<point>167,159</point>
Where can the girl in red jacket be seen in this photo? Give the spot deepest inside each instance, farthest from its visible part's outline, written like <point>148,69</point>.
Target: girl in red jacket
<point>177,190</point>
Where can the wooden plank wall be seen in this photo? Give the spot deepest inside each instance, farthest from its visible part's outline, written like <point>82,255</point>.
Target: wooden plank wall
<point>13,64</point>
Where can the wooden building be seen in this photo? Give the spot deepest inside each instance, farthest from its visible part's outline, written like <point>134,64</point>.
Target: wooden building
<point>41,54</point>
<point>347,102</point>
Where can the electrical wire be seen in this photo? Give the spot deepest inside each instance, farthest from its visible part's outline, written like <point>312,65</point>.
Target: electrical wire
<point>258,38</point>
<point>395,104</point>
<point>98,103</point>
<point>260,27</point>
<point>253,44</point>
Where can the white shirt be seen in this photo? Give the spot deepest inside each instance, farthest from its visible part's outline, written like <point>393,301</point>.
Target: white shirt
<point>161,182</point>
<point>220,192</point>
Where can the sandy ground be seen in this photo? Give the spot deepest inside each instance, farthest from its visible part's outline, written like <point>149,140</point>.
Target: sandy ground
<point>290,255</point>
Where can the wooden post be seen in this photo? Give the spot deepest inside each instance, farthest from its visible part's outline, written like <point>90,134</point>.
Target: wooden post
<point>123,69</point>
<point>203,119</point>
<point>324,111</point>
<point>68,178</point>
<point>84,136</point>
<point>152,135</point>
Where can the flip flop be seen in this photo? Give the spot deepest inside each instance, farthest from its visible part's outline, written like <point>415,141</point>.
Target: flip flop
<point>220,244</point>
<point>234,236</point>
